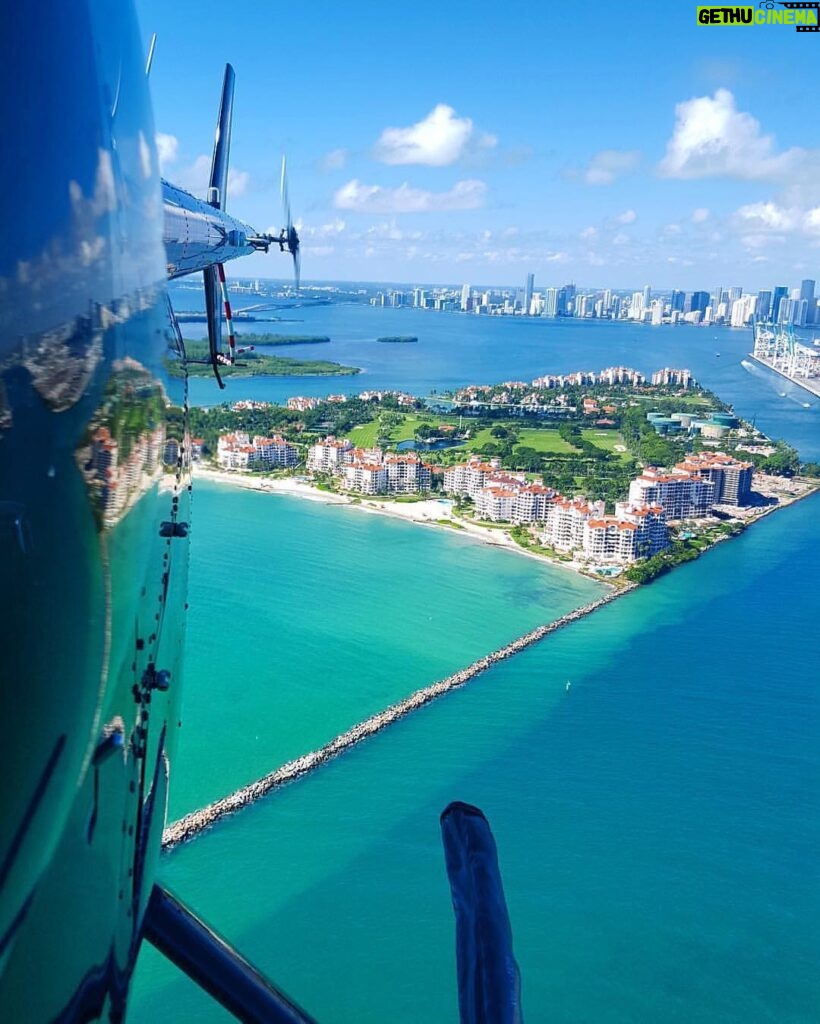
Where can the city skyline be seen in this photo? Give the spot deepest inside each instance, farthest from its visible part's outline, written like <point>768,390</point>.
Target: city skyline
<point>797,306</point>
<point>402,172</point>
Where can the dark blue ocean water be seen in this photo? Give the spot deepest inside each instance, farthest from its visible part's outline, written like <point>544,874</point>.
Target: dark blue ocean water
<point>658,824</point>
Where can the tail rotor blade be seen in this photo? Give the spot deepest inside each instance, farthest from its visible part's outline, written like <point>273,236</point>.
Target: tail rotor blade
<point>290,235</point>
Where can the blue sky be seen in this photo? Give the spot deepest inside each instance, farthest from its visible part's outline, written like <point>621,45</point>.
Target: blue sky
<point>613,144</point>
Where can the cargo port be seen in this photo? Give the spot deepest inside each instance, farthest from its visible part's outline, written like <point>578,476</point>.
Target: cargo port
<point>776,348</point>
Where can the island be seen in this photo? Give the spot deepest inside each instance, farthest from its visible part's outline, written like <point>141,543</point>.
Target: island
<point>616,476</point>
<point>611,474</point>
<point>398,339</point>
<point>281,339</point>
<point>256,364</point>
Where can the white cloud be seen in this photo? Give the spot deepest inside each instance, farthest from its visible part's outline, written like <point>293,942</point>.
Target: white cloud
<point>238,182</point>
<point>145,155</point>
<point>335,160</point>
<point>712,138</point>
<point>671,230</point>
<point>335,227</point>
<point>105,192</point>
<point>627,217</point>
<point>769,216</point>
<point>610,164</point>
<point>812,220</point>
<point>330,230</point>
<point>771,223</point>
<point>391,231</point>
<point>196,177</point>
<point>527,257</point>
<point>620,239</point>
<point>464,195</point>
<point>761,241</point>
<point>167,147</point>
<point>588,233</point>
<point>700,215</point>
<point>437,141</point>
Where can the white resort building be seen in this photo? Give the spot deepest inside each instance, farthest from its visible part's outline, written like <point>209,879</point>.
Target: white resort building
<point>406,473</point>
<point>569,524</point>
<point>633,532</point>
<point>238,451</point>
<point>565,520</point>
<point>365,477</point>
<point>682,495</point>
<point>328,456</point>
<point>370,470</point>
<point>675,378</point>
<point>467,478</point>
<point>732,479</point>
<point>693,486</point>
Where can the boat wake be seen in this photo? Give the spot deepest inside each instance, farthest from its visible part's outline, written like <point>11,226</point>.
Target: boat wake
<point>793,393</point>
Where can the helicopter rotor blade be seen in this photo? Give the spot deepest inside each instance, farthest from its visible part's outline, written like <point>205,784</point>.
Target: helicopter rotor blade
<point>218,181</point>
<point>283,192</point>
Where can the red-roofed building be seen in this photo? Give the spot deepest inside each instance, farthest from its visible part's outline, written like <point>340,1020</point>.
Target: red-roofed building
<point>682,495</point>
<point>630,534</point>
<point>406,473</point>
<point>328,456</point>
<point>365,477</point>
<point>495,503</point>
<point>274,452</point>
<point>732,479</point>
<point>564,525</point>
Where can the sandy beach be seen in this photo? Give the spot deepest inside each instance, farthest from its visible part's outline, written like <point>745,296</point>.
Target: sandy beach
<point>435,512</point>
<point>438,512</point>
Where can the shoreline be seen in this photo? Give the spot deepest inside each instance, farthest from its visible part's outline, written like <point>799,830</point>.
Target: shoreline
<point>438,513</point>
<point>431,512</point>
<point>193,824</point>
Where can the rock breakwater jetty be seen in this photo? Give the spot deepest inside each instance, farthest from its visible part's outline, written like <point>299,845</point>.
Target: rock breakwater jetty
<point>193,824</point>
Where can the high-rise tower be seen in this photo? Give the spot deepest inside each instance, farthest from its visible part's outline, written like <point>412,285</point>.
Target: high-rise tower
<point>550,302</point>
<point>528,294</point>
<point>807,294</point>
<point>780,292</point>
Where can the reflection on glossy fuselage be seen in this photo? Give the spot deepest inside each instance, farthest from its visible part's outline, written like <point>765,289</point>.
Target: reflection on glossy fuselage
<point>94,509</point>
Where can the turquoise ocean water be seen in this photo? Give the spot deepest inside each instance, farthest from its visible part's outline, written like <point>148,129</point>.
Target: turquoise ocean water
<point>657,824</point>
<point>315,616</point>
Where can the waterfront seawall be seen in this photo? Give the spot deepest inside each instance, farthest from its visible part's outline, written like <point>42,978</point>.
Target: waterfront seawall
<point>192,824</point>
